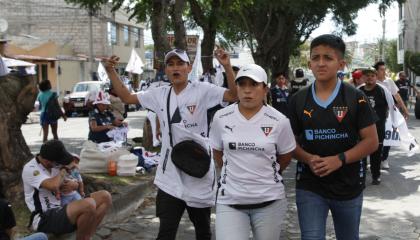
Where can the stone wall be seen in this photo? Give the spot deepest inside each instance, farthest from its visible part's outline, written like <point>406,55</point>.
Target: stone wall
<point>57,21</point>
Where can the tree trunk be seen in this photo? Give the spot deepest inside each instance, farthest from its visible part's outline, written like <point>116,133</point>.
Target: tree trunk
<point>207,47</point>
<point>17,101</point>
<point>275,40</point>
<point>209,25</point>
<point>158,19</point>
<point>177,10</point>
<point>278,58</point>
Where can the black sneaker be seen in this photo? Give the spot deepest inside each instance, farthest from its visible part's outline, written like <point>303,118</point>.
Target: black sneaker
<point>376,181</point>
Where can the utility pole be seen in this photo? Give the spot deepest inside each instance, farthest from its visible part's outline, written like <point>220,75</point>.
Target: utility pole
<point>383,39</point>
<point>91,56</point>
<point>382,11</point>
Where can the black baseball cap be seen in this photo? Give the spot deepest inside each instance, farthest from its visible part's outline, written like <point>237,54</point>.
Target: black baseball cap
<point>55,151</point>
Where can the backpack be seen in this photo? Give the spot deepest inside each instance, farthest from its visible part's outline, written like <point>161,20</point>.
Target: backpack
<point>53,109</point>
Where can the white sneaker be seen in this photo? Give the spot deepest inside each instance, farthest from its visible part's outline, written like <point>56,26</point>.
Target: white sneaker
<point>384,164</point>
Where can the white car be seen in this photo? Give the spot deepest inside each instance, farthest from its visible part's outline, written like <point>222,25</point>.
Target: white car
<point>83,94</point>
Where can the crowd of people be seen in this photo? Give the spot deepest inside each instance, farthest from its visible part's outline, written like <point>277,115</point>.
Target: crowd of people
<point>250,144</point>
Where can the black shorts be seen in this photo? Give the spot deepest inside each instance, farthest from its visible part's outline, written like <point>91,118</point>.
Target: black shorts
<point>55,221</point>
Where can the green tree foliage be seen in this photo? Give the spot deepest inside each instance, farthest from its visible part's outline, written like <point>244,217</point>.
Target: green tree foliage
<point>391,56</point>
<point>274,29</point>
<point>412,60</point>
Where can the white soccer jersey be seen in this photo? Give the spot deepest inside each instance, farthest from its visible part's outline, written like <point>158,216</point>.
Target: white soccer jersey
<point>33,175</point>
<point>193,103</point>
<point>390,85</point>
<point>250,147</point>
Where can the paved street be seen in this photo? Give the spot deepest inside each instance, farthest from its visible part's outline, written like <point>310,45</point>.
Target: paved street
<point>74,132</point>
<point>390,210</point>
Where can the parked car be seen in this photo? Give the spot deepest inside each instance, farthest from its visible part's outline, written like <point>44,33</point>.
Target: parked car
<point>81,98</point>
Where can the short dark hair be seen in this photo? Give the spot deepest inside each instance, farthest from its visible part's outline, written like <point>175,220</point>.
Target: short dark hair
<point>44,85</point>
<point>284,74</point>
<point>299,73</point>
<point>378,64</point>
<point>54,151</point>
<point>330,40</point>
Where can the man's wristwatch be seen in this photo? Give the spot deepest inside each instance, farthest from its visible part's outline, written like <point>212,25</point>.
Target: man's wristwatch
<point>342,158</point>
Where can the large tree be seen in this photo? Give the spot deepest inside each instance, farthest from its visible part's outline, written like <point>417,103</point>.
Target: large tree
<point>207,14</point>
<point>17,98</point>
<point>273,29</point>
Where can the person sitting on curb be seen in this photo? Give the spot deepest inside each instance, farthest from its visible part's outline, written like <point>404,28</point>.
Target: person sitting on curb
<point>43,176</point>
<point>101,120</point>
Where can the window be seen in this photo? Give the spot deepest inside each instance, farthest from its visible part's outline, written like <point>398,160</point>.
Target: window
<point>112,33</point>
<point>400,11</point>
<point>400,42</point>
<point>137,37</point>
<point>126,32</point>
<point>44,70</point>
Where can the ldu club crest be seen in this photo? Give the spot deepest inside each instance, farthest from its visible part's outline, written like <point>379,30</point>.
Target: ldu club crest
<point>266,130</point>
<point>340,113</point>
<point>191,108</point>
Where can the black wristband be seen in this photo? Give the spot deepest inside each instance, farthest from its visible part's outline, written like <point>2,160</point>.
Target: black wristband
<point>342,158</point>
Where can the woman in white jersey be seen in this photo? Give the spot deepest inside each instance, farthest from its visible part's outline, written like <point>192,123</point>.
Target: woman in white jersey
<point>253,144</point>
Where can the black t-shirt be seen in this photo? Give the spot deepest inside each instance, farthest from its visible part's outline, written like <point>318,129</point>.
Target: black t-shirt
<point>404,87</point>
<point>377,100</point>
<point>7,219</point>
<point>279,99</point>
<point>296,86</point>
<point>328,132</point>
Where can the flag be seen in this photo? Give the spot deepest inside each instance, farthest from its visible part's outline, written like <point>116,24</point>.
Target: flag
<point>219,78</point>
<point>197,67</point>
<point>398,135</point>
<point>102,75</point>
<point>135,63</point>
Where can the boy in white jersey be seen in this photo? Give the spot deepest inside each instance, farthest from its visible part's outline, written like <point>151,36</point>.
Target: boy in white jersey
<point>253,143</point>
<point>188,105</point>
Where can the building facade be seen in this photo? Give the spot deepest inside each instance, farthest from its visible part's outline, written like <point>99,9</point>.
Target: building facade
<point>409,28</point>
<point>65,29</point>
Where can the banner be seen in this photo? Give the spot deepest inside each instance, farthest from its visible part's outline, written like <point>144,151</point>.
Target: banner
<point>135,63</point>
<point>407,142</point>
<point>392,135</point>
<point>197,67</point>
<point>102,75</point>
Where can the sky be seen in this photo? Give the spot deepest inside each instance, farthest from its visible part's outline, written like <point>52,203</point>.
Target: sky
<point>369,26</point>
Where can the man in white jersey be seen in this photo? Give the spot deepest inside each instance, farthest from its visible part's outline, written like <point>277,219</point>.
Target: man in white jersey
<point>188,105</point>
<point>43,179</point>
<point>392,87</point>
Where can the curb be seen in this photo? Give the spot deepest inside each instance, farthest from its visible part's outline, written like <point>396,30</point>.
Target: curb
<point>123,204</point>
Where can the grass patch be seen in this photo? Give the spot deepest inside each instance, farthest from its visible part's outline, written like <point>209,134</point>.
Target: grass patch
<point>22,216</point>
